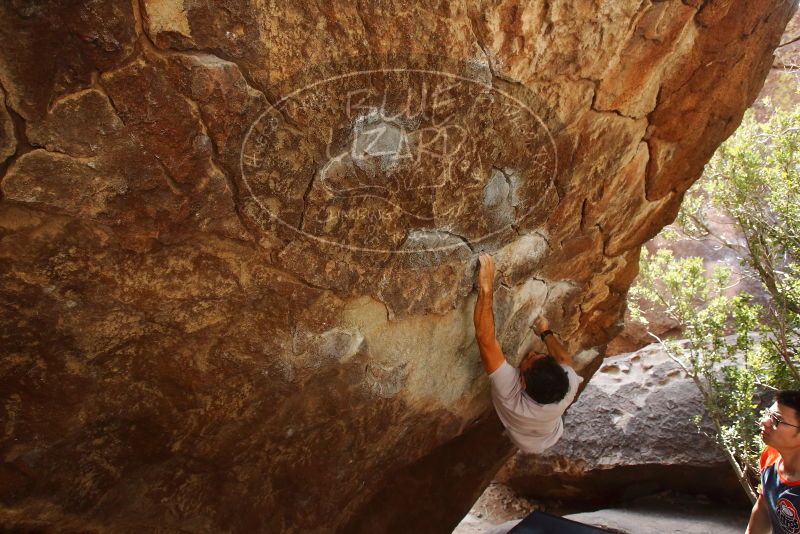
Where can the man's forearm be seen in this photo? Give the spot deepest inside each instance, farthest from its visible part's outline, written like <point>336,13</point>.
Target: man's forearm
<point>557,350</point>
<point>484,318</point>
<point>491,353</point>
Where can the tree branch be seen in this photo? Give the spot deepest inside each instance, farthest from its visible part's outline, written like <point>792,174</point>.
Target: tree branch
<point>782,66</point>
<point>787,43</point>
<point>741,476</point>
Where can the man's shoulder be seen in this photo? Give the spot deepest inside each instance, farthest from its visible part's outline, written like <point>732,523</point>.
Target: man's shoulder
<point>504,373</point>
<point>503,368</point>
<point>505,381</point>
<point>769,456</point>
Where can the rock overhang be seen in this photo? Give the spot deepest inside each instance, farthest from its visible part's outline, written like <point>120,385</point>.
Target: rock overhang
<point>153,291</point>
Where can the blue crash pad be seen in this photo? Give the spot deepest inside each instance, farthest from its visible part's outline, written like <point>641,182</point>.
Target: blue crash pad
<point>542,523</point>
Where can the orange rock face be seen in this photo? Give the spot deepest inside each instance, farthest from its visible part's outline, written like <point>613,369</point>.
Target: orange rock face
<point>238,241</point>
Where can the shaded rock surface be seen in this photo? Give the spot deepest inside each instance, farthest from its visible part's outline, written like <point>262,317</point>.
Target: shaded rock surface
<point>237,241</point>
<point>631,433</point>
<point>678,515</point>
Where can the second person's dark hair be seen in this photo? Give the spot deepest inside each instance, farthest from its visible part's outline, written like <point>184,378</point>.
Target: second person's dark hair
<point>790,398</point>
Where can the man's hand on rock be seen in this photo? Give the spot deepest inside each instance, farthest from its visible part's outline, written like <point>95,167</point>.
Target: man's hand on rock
<point>486,273</point>
<point>540,324</point>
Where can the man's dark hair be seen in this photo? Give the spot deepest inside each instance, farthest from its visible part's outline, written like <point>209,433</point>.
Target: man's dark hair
<point>790,398</point>
<point>546,381</point>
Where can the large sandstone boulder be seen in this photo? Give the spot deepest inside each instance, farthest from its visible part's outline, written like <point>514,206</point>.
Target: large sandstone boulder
<point>238,239</point>
<point>633,432</point>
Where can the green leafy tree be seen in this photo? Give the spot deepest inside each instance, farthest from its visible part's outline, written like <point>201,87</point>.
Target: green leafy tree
<point>735,349</point>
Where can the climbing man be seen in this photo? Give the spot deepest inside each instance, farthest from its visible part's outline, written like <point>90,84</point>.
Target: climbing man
<point>530,399</point>
<point>777,506</point>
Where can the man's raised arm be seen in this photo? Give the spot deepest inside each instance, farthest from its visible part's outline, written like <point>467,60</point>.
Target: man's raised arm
<point>542,327</point>
<point>491,354</point>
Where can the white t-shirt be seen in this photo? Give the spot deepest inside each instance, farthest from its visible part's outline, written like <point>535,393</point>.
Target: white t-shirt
<point>533,427</point>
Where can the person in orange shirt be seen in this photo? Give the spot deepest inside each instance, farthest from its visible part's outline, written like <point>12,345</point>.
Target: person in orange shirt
<point>779,501</point>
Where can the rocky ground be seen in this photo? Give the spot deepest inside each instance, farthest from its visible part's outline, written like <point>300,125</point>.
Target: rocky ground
<point>499,509</point>
<point>497,505</point>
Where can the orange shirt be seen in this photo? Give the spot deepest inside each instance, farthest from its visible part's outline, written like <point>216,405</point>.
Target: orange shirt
<point>782,496</point>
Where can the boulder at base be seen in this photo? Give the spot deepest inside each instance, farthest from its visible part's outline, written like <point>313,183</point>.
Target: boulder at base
<point>631,433</point>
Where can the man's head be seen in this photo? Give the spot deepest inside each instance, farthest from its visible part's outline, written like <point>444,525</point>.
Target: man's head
<point>780,426</point>
<point>544,380</point>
